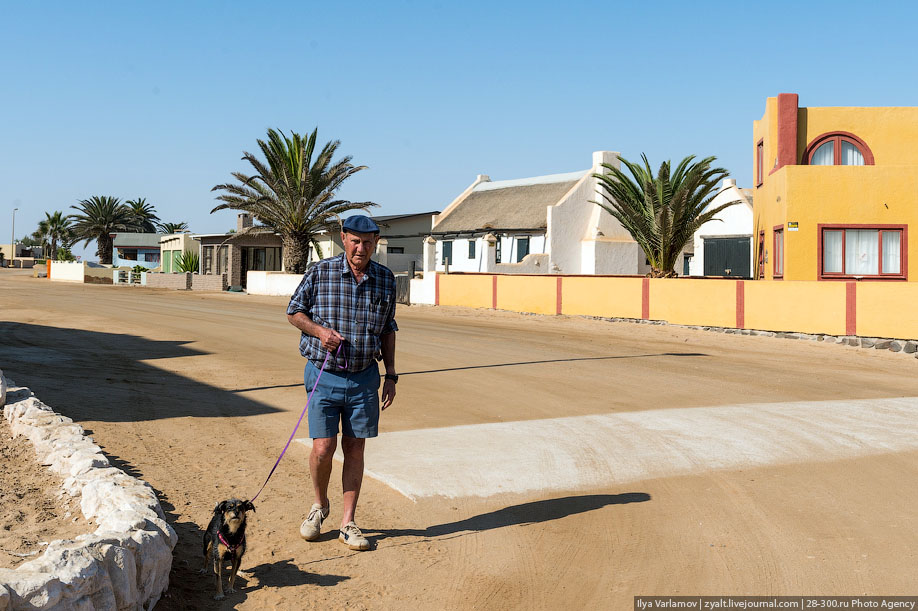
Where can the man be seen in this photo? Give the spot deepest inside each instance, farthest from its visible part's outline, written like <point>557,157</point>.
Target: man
<point>345,308</point>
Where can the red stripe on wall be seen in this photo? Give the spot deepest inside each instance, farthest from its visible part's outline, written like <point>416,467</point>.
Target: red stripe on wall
<point>493,292</point>
<point>436,288</point>
<point>851,308</point>
<point>558,304</point>
<point>645,299</point>
<point>740,305</point>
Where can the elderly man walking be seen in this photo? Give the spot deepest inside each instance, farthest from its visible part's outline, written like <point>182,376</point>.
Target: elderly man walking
<point>345,309</point>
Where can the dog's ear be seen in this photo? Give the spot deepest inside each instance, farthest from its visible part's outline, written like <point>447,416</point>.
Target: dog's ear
<point>220,507</point>
<point>248,506</point>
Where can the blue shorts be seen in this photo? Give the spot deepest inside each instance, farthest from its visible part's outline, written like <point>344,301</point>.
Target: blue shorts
<point>351,398</point>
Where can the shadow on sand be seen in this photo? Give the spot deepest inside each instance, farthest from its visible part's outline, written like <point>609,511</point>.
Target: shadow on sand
<point>534,512</point>
<point>61,364</point>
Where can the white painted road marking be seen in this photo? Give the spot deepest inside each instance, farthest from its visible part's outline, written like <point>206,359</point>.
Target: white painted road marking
<point>601,451</point>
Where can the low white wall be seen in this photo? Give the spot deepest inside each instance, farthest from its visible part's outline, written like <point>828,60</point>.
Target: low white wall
<point>424,290</point>
<point>272,283</point>
<point>67,271</point>
<point>125,563</point>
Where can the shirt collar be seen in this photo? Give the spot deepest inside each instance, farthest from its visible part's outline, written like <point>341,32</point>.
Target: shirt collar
<point>346,268</point>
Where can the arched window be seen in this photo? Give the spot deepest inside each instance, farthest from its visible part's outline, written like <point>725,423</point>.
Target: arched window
<point>838,148</point>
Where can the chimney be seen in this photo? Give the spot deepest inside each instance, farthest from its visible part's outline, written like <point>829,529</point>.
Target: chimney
<point>729,182</point>
<point>243,220</point>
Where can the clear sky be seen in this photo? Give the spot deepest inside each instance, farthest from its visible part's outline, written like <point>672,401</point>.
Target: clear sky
<point>159,100</point>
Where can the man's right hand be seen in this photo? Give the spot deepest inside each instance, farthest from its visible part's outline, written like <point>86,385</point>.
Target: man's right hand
<point>330,339</point>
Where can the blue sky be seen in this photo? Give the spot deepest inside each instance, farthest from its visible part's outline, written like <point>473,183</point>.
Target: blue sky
<point>159,100</point>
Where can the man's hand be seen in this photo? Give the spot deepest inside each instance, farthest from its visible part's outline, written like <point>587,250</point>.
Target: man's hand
<point>330,338</point>
<point>388,393</point>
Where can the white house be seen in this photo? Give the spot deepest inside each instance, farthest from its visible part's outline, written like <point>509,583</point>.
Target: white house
<point>723,245</point>
<point>541,225</point>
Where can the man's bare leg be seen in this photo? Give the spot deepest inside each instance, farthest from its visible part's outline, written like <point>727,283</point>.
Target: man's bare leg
<point>351,475</point>
<point>320,466</point>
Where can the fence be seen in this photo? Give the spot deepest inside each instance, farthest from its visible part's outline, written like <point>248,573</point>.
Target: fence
<point>875,309</point>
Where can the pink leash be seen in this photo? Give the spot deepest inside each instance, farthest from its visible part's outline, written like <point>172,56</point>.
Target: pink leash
<point>305,408</point>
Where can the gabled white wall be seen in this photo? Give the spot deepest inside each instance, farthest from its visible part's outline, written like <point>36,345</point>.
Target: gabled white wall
<point>735,221</point>
<point>582,237</point>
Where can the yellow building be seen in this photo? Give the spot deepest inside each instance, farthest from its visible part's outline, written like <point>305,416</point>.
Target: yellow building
<point>834,191</point>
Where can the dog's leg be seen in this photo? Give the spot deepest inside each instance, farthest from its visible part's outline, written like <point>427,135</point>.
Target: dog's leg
<point>237,560</point>
<point>206,557</point>
<point>218,571</point>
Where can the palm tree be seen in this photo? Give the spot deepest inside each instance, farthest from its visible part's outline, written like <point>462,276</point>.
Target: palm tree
<point>168,228</point>
<point>102,216</point>
<point>291,193</point>
<point>144,213</point>
<point>53,229</point>
<point>662,213</point>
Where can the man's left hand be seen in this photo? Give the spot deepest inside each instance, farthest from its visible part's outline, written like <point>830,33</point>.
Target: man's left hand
<point>388,393</point>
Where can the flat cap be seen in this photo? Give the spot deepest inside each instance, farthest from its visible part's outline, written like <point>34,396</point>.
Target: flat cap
<point>360,224</point>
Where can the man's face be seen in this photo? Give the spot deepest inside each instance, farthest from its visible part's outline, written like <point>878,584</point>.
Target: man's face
<point>359,247</point>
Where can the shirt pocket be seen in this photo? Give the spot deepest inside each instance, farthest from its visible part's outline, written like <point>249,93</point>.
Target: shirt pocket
<point>378,312</point>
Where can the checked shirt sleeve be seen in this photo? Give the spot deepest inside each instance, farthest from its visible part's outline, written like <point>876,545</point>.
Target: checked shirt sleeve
<point>302,299</point>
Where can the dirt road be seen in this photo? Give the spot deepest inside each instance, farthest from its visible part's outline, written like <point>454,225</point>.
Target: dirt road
<point>197,393</point>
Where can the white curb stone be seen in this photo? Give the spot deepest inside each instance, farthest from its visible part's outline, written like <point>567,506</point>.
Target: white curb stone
<point>125,563</point>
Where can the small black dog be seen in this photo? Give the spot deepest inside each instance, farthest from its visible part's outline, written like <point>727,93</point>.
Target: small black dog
<point>225,538</point>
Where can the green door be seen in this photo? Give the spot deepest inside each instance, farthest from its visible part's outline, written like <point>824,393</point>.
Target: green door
<point>727,257</point>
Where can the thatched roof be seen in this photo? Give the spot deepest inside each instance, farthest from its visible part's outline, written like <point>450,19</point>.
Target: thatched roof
<point>508,204</point>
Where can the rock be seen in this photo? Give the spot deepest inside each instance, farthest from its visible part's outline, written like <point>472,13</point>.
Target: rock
<point>895,346</point>
<point>2,403</point>
<point>868,342</point>
<point>882,344</point>
<point>125,563</point>
<point>853,341</point>
<point>910,347</point>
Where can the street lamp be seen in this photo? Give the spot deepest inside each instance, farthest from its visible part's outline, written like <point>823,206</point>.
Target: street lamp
<point>13,240</point>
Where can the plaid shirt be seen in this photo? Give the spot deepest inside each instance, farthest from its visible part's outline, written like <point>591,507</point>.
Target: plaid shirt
<point>330,296</point>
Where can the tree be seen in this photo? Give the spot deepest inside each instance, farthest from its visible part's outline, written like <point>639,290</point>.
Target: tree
<point>291,193</point>
<point>55,229</point>
<point>144,214</point>
<point>167,228</point>
<point>662,213</point>
<point>102,216</point>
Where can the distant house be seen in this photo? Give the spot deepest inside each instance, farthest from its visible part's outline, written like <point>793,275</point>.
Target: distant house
<point>540,225</point>
<point>404,239</point>
<point>251,248</point>
<point>130,249</point>
<point>723,245</point>
<point>25,255</point>
<point>171,248</point>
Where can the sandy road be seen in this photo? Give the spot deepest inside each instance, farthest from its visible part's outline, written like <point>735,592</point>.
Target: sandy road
<point>197,393</point>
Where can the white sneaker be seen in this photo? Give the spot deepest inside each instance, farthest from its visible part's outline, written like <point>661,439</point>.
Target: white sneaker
<point>311,527</point>
<point>351,536</point>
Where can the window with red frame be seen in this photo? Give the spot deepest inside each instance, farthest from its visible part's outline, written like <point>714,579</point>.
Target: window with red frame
<point>759,163</point>
<point>838,149</point>
<point>863,251</point>
<point>778,252</point>
<point>761,254</point>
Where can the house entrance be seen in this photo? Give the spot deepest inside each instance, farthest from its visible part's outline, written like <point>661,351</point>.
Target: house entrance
<point>727,257</point>
<point>260,259</point>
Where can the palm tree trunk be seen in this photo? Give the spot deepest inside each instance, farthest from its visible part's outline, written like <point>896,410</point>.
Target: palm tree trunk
<point>105,249</point>
<point>296,250</point>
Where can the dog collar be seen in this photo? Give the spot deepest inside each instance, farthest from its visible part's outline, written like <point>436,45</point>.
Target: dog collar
<point>231,548</point>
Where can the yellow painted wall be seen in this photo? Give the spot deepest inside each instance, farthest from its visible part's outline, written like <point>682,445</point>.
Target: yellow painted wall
<point>884,309</point>
<point>468,291</point>
<point>693,302</point>
<point>607,297</point>
<point>887,309</point>
<point>527,294</point>
<point>805,307</point>
<point>890,132</point>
